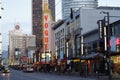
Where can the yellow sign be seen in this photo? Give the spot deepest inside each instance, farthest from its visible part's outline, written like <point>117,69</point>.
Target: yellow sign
<point>76,60</point>
<point>116,59</point>
<point>82,60</point>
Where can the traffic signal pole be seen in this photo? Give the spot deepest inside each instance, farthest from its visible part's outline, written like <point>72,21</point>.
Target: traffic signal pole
<point>106,36</point>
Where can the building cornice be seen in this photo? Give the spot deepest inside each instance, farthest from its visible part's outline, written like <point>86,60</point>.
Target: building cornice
<point>57,24</point>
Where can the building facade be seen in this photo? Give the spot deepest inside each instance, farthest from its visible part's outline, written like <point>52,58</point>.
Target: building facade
<point>59,39</point>
<point>0,33</point>
<point>31,46</point>
<point>86,41</point>
<point>82,22</point>
<point>37,13</point>
<point>115,46</point>
<point>20,45</point>
<point>15,43</point>
<point>75,5</point>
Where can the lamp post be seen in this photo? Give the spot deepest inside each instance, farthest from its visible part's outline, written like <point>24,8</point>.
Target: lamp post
<point>106,42</point>
<point>45,56</point>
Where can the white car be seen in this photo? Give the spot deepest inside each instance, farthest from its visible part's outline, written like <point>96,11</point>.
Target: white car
<point>28,68</point>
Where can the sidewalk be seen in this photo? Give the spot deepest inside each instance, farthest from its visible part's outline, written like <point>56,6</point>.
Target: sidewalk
<point>102,77</point>
<point>105,78</point>
<point>87,77</point>
<point>92,77</point>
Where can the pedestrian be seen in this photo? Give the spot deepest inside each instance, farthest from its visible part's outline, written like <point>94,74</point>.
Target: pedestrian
<point>37,68</point>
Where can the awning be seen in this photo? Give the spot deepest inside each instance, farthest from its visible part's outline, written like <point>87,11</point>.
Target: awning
<point>92,56</point>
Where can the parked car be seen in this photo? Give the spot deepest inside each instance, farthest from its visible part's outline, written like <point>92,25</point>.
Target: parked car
<point>28,68</point>
<point>5,69</point>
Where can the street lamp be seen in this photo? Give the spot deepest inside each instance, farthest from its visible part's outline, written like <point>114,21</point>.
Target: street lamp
<point>106,40</point>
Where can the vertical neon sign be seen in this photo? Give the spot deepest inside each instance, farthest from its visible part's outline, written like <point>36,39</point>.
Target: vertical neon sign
<point>46,31</point>
<point>46,26</point>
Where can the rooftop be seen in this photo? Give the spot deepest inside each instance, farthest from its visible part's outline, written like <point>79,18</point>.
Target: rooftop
<point>108,8</point>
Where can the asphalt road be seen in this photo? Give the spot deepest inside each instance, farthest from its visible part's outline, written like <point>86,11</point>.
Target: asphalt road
<point>20,75</point>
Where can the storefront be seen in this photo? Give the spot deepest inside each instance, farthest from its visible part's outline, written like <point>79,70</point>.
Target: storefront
<point>92,64</point>
<point>63,65</point>
<point>76,65</point>
<point>115,65</point>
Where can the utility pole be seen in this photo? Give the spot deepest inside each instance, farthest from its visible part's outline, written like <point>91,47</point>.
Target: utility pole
<point>106,29</point>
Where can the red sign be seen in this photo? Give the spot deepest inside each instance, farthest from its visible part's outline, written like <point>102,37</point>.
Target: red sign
<point>118,58</point>
<point>117,41</point>
<point>24,58</point>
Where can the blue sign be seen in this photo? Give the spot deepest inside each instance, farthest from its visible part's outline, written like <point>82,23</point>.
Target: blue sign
<point>61,55</point>
<point>47,58</point>
<point>113,44</point>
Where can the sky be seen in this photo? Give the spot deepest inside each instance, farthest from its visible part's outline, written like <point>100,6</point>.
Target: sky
<point>15,11</point>
<point>19,11</point>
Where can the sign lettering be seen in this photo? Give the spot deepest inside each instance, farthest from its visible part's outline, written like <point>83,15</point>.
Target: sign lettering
<point>46,31</point>
<point>46,17</point>
<point>46,46</point>
<point>46,39</point>
<point>46,25</point>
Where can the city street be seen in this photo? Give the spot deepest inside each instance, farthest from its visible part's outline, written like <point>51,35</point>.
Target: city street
<point>20,75</point>
<point>60,40</point>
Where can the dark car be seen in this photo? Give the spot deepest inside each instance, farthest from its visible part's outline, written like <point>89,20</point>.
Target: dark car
<point>5,69</point>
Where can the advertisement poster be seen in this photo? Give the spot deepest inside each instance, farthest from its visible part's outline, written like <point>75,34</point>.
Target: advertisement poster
<point>113,44</point>
<point>61,55</point>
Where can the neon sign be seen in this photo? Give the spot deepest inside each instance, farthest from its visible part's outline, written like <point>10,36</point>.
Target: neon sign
<point>46,31</point>
<point>117,41</point>
<point>46,26</point>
